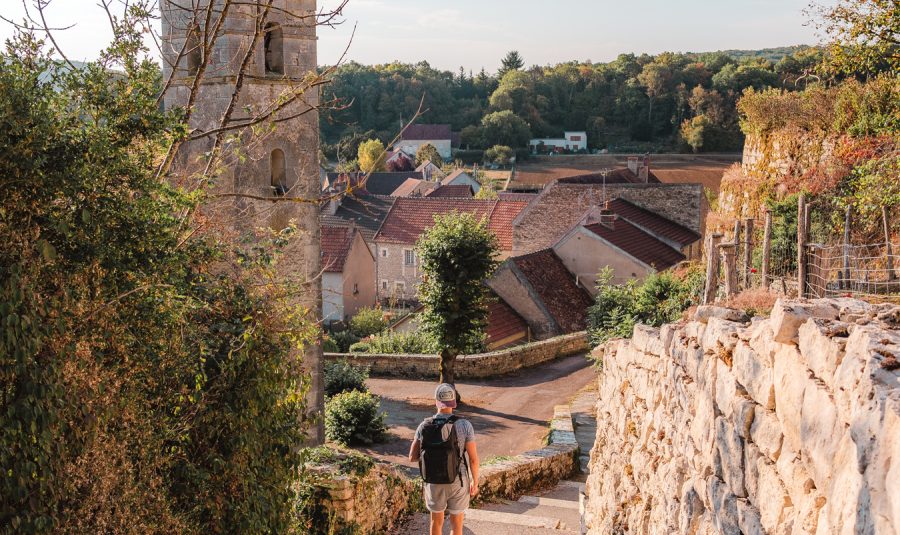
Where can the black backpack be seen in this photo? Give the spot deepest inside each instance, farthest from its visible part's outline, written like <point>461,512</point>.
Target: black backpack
<point>439,459</point>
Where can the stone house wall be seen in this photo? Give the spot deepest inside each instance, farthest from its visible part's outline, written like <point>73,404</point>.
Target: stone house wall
<point>392,271</point>
<point>479,366</point>
<point>358,277</point>
<point>507,283</point>
<point>411,146</point>
<point>789,424</point>
<point>585,254</point>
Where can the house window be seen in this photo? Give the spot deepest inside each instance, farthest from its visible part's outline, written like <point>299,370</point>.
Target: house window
<point>384,253</point>
<point>274,45</point>
<point>279,182</point>
<point>400,288</point>
<point>193,51</point>
<point>409,257</point>
<point>575,138</point>
<point>355,289</point>
<point>384,285</point>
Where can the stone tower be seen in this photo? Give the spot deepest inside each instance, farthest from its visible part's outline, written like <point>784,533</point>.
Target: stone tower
<point>275,158</point>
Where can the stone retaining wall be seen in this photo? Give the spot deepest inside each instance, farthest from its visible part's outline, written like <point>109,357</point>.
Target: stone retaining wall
<point>783,425</point>
<point>478,366</point>
<point>509,479</point>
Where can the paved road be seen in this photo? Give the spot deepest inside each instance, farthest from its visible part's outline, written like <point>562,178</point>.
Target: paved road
<point>510,414</point>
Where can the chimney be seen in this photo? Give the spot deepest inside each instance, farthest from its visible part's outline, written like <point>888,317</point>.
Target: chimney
<point>644,172</point>
<point>608,217</point>
<point>633,164</point>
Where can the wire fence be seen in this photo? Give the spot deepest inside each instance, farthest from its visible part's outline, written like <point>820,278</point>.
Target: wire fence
<point>806,250</point>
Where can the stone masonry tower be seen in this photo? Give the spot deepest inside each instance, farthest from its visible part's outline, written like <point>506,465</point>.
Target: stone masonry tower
<point>244,72</point>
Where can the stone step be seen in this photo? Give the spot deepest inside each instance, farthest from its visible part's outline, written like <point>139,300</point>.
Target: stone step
<point>560,517</point>
<point>514,518</point>
<point>418,525</point>
<point>549,502</point>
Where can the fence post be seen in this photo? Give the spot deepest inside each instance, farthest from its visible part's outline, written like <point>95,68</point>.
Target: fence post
<point>816,272</point>
<point>729,261</point>
<point>845,271</point>
<point>712,267</point>
<point>801,246</point>
<point>887,240</point>
<point>748,251</point>
<point>767,249</point>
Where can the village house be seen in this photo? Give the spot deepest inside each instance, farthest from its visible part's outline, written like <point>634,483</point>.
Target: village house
<point>348,273</point>
<point>461,177</point>
<point>417,135</point>
<point>430,171</point>
<point>374,183</point>
<point>573,141</point>
<point>397,268</point>
<point>414,187</point>
<point>455,190</point>
<point>540,289</point>
<point>365,212</point>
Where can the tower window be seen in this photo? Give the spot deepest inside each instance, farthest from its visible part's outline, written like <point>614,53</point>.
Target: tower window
<point>274,44</point>
<point>279,181</point>
<point>193,51</point>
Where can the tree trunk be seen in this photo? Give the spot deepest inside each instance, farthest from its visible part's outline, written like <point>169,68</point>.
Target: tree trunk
<point>448,367</point>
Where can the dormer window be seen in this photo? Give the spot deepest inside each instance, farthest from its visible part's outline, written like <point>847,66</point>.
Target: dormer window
<point>274,45</point>
<point>279,175</point>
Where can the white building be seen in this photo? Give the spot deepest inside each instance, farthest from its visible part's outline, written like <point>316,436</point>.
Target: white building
<point>418,135</point>
<point>573,141</point>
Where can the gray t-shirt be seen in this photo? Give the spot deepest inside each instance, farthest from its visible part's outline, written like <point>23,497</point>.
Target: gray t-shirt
<point>465,433</point>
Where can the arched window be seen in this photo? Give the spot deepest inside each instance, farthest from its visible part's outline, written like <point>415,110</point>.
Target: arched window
<point>279,178</point>
<point>193,51</point>
<point>274,44</point>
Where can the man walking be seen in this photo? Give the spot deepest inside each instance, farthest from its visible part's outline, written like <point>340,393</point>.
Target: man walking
<point>444,446</point>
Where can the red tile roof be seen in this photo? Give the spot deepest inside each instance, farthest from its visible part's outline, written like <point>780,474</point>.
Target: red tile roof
<point>427,132</point>
<point>414,187</point>
<point>555,286</point>
<point>653,222</point>
<point>336,243</point>
<point>505,326</point>
<point>616,176</point>
<point>411,216</point>
<point>502,221</point>
<point>454,190</point>
<point>638,243</point>
<point>513,196</point>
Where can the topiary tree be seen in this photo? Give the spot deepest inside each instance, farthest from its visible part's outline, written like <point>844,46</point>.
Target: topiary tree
<point>428,152</point>
<point>371,156</point>
<point>457,254</point>
<point>499,154</point>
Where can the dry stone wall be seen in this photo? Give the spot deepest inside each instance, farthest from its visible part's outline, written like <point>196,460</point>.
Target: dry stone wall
<point>789,424</point>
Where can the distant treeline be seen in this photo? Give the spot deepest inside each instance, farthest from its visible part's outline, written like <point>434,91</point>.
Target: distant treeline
<point>669,101</point>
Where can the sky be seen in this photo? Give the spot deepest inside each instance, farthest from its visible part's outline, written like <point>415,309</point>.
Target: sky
<point>476,34</point>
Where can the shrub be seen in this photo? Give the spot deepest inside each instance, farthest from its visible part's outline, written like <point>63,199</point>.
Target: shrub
<point>341,376</point>
<point>660,298</point>
<point>354,418</point>
<point>368,321</point>
<point>330,346</point>
<point>398,343</point>
<point>360,347</point>
<point>344,339</point>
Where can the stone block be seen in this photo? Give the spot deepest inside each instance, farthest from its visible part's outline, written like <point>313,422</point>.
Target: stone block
<point>772,497</point>
<point>742,415</point>
<point>726,392</point>
<point>724,508</point>
<point>751,472</point>
<point>788,316</point>
<point>649,340</point>
<point>822,343</point>
<point>766,433</point>
<point>705,312</point>
<point>790,378</point>
<point>731,455</point>
<point>820,432</point>
<point>748,518</point>
<point>720,337</point>
<point>754,374</point>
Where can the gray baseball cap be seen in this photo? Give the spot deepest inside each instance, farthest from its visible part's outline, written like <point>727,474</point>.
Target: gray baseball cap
<point>445,396</point>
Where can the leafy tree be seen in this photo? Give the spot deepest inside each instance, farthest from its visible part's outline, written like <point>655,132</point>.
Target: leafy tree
<point>457,254</point>
<point>371,156</point>
<point>428,152</point>
<point>864,34</point>
<point>499,154</point>
<point>511,62</point>
<point>149,381</point>
<point>368,321</point>
<point>471,137</point>
<point>505,128</point>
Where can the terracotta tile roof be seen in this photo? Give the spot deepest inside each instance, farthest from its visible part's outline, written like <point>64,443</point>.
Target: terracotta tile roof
<point>653,222</point>
<point>505,326</point>
<point>336,243</point>
<point>367,212</point>
<point>638,243</point>
<point>502,221</point>
<point>453,190</point>
<point>513,196</point>
<point>453,176</point>
<point>377,183</point>
<point>414,187</point>
<point>616,176</point>
<point>556,288</point>
<point>427,132</point>
<point>411,216</point>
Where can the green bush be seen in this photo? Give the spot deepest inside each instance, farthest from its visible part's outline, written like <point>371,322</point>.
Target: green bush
<point>392,343</point>
<point>660,298</point>
<point>341,376</point>
<point>360,347</point>
<point>330,346</point>
<point>344,339</point>
<point>368,321</point>
<point>353,418</point>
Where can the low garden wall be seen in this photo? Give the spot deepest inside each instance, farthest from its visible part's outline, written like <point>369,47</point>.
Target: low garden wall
<point>478,366</point>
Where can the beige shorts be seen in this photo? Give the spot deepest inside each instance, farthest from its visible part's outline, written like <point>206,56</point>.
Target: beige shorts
<point>451,498</point>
